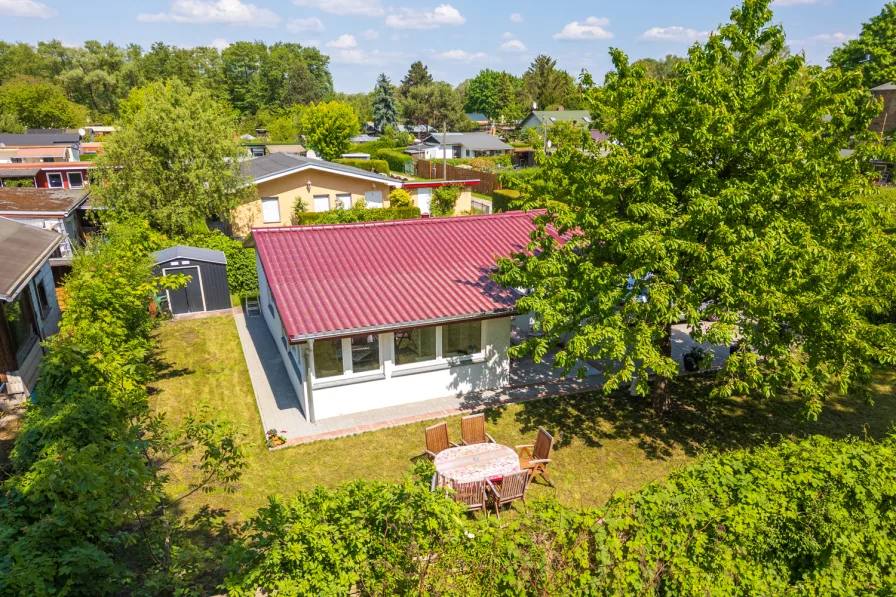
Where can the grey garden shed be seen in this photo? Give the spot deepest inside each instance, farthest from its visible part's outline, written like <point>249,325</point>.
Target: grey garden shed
<point>207,289</point>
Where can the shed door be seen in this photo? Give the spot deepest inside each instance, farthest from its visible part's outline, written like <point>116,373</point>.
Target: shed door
<point>186,299</point>
<point>374,198</point>
<point>424,198</point>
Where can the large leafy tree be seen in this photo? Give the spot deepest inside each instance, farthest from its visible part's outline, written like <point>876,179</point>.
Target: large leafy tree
<point>301,86</point>
<point>661,69</point>
<point>385,107</point>
<point>328,128</point>
<point>874,52</point>
<point>38,104</point>
<point>175,160</point>
<point>437,104</point>
<point>417,75</point>
<point>723,202</point>
<point>548,86</point>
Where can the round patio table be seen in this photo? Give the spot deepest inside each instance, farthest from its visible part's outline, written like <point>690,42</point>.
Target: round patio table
<point>477,462</point>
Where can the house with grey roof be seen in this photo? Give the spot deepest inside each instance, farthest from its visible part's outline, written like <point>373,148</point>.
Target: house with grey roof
<point>538,118</point>
<point>465,145</point>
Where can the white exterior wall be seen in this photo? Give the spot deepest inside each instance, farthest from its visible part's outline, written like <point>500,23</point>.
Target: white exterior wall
<point>49,322</point>
<point>275,325</point>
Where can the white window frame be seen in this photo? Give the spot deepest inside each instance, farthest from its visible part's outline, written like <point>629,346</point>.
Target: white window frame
<point>449,361</point>
<point>346,199</point>
<point>68,175</point>
<point>264,218</point>
<point>314,199</point>
<point>347,372</point>
<point>50,175</point>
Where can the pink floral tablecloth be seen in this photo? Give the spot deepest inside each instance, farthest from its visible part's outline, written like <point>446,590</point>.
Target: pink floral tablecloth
<point>477,462</point>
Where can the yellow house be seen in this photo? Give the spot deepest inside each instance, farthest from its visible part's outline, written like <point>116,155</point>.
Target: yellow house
<point>283,179</point>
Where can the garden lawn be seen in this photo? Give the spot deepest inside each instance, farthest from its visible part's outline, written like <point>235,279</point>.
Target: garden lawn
<point>603,444</point>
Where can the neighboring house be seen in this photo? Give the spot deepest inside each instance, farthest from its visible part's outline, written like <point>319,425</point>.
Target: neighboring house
<point>257,150</point>
<point>374,315</point>
<point>29,311</point>
<point>886,120</point>
<point>50,175</point>
<point>52,209</point>
<point>37,148</point>
<point>480,119</point>
<point>468,145</point>
<point>540,117</point>
<point>282,179</point>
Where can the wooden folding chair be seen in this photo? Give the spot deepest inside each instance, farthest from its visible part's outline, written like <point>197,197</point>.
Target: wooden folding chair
<point>508,490</point>
<point>472,430</point>
<point>471,494</point>
<point>535,458</point>
<point>437,439</point>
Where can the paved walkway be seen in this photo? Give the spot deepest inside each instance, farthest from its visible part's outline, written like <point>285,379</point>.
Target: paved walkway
<point>280,410</point>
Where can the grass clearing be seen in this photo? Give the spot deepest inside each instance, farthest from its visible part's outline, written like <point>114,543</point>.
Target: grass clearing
<point>603,444</point>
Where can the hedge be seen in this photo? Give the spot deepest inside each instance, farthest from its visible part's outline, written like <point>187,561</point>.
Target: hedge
<point>242,275</point>
<point>396,159</point>
<point>342,216</point>
<point>503,198</point>
<point>380,166</point>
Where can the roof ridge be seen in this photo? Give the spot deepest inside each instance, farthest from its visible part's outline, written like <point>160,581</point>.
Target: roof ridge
<point>385,223</point>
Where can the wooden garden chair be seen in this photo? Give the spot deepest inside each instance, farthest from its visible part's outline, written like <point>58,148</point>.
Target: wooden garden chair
<point>535,458</point>
<point>471,494</point>
<point>508,490</point>
<point>472,430</point>
<point>437,439</point>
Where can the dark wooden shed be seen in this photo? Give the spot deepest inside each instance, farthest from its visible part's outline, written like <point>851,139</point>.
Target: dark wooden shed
<point>207,289</point>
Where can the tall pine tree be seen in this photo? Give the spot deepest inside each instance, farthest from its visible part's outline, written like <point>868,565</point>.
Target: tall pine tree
<point>385,108</point>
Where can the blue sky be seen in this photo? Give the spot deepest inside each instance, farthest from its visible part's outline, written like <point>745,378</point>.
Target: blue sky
<point>455,38</point>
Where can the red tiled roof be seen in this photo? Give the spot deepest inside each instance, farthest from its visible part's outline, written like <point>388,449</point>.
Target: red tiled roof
<point>329,280</point>
<point>42,152</point>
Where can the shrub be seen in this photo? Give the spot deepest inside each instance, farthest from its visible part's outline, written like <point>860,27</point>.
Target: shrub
<point>354,214</point>
<point>395,158</point>
<point>399,198</point>
<point>242,275</point>
<point>380,166</point>
<point>19,182</point>
<point>444,199</point>
<point>504,199</point>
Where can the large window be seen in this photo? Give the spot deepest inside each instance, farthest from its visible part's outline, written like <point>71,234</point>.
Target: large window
<point>415,346</point>
<point>20,320</point>
<point>42,300</point>
<point>328,358</point>
<point>54,179</point>
<point>461,339</point>
<point>270,210</point>
<point>75,180</point>
<point>365,353</point>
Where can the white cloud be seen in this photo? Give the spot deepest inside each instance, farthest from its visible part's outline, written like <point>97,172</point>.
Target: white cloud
<point>836,38</point>
<point>370,35</point>
<point>592,28</point>
<point>232,12</point>
<point>220,43</point>
<point>26,8</point>
<point>366,8</point>
<point>514,45</point>
<point>507,35</point>
<point>516,18</point>
<point>395,37</point>
<point>464,56</point>
<point>343,41</point>
<point>296,26</point>
<point>375,57</point>
<point>412,18</point>
<point>679,34</point>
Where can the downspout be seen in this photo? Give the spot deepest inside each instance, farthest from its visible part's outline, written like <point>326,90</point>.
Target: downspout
<point>309,392</point>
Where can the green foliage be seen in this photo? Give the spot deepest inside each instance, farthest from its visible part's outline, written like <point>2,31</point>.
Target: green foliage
<point>18,182</point>
<point>385,107</point>
<point>444,199</point>
<point>504,199</point>
<point>661,69</point>
<point>417,75</point>
<point>435,104</point>
<point>399,198</point>
<point>302,87</point>
<point>495,94</point>
<point>395,159</point>
<point>359,212</point>
<point>10,123</point>
<point>328,127</point>
<point>813,517</point>
<point>242,275</point>
<point>873,54</point>
<point>717,208</point>
<point>379,166</point>
<point>37,104</point>
<point>173,161</point>
<point>548,86</point>
<point>282,125</point>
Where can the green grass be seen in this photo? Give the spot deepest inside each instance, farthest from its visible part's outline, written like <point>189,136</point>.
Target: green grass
<point>482,196</point>
<point>604,444</point>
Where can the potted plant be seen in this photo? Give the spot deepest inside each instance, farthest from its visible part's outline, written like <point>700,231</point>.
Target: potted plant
<point>275,439</point>
<point>694,358</point>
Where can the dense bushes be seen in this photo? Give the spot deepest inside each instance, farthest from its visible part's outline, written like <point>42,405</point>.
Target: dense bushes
<point>399,198</point>
<point>394,157</point>
<point>815,517</point>
<point>503,199</point>
<point>356,213</point>
<point>380,166</point>
<point>444,200</point>
<point>242,275</point>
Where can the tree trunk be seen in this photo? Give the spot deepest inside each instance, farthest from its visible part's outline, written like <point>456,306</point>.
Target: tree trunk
<point>662,389</point>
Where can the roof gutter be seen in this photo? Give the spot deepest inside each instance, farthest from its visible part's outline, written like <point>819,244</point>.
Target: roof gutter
<point>26,276</point>
<point>298,339</point>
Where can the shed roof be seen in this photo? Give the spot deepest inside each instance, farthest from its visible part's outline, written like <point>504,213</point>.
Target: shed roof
<point>477,116</point>
<point>275,165</point>
<point>25,249</point>
<point>38,139</point>
<point>332,280</point>
<point>474,141</point>
<point>19,172</point>
<point>23,200</point>
<point>191,253</point>
<point>539,116</point>
<point>885,87</point>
